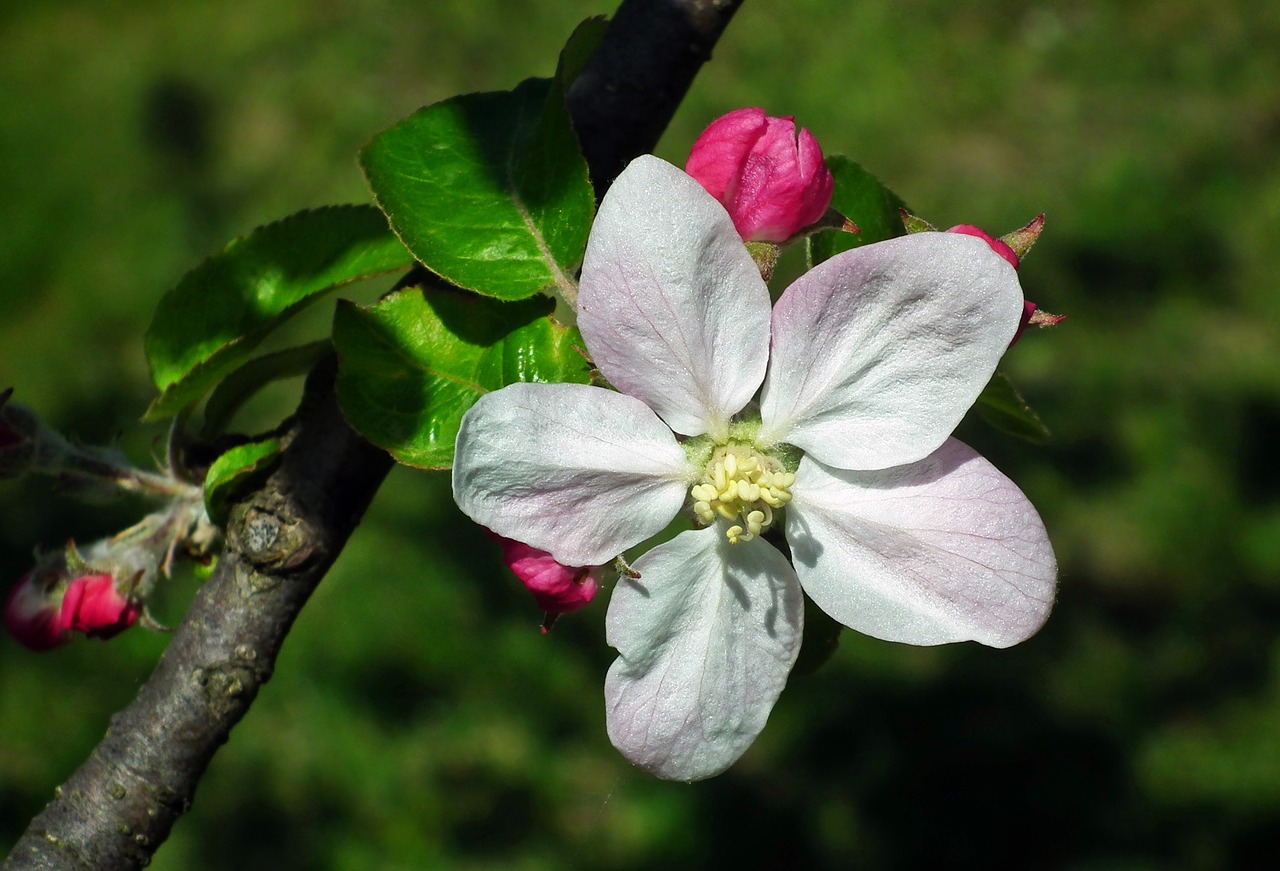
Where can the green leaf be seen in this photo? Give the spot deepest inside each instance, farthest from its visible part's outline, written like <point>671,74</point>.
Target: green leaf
<point>412,365</point>
<point>581,46</point>
<point>488,190</point>
<point>210,323</point>
<point>235,470</point>
<point>238,387</point>
<point>1002,407</point>
<point>860,197</point>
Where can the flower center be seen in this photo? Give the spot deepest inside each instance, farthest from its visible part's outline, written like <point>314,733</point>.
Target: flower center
<point>744,487</point>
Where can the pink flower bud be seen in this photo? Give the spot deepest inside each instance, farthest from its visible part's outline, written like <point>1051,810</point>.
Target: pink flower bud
<point>556,588</point>
<point>92,605</point>
<point>769,177</point>
<point>997,245</point>
<point>31,613</point>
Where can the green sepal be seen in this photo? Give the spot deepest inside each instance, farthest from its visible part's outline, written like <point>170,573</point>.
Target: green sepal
<point>411,366</point>
<point>863,199</point>
<point>235,470</point>
<point>240,386</point>
<point>915,224</point>
<point>488,190</point>
<point>1001,406</point>
<point>210,323</point>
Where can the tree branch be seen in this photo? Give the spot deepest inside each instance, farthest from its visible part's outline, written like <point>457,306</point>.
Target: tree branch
<point>627,94</point>
<point>119,806</point>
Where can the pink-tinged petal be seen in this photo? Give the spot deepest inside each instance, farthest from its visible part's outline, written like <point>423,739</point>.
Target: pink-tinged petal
<point>706,637</point>
<point>671,305</point>
<point>785,185</point>
<point>880,351</point>
<point>580,472</point>
<point>93,606</point>
<point>946,549</point>
<point>718,154</point>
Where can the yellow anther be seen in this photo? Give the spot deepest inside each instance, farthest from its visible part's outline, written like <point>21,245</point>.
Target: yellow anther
<point>744,487</point>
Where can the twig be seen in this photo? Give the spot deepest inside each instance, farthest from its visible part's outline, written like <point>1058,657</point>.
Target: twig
<point>119,806</point>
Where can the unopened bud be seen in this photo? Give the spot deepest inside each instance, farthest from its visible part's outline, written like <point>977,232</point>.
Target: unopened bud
<point>62,596</point>
<point>770,177</point>
<point>93,605</point>
<point>556,588</point>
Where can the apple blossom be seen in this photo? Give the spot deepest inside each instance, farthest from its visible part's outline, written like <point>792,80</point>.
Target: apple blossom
<point>768,175</point>
<point>828,415</point>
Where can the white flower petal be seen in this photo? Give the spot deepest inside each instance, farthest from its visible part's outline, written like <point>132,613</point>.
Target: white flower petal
<point>879,351</point>
<point>671,306</point>
<point>580,472</point>
<point>706,638</point>
<point>947,549</point>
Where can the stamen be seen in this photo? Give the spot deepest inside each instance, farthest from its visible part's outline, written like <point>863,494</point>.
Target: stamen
<point>744,487</point>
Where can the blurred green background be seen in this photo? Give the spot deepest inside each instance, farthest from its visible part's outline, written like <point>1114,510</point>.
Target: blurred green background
<point>418,719</point>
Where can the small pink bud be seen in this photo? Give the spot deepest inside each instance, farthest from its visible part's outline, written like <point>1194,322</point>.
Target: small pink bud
<point>770,178</point>
<point>31,613</point>
<point>997,245</point>
<point>92,605</point>
<point>556,588</point>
